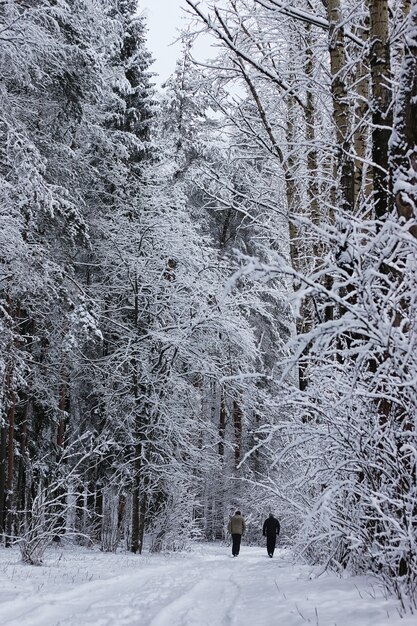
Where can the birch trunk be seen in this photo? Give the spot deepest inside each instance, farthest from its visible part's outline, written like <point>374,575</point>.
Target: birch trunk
<point>340,104</point>
<point>312,166</point>
<point>363,178</point>
<point>404,140</point>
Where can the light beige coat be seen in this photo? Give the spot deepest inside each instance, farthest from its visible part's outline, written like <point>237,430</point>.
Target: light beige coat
<point>236,525</point>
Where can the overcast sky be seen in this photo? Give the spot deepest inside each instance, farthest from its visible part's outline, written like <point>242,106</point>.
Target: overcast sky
<point>165,19</point>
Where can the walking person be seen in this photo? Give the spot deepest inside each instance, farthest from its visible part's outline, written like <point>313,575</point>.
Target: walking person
<point>271,530</point>
<point>237,529</point>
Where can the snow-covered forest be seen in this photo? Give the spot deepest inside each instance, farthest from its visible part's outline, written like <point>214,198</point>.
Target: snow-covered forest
<point>208,292</point>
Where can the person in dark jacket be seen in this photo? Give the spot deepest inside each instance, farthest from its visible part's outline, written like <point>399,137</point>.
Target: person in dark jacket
<point>271,530</point>
<point>236,528</point>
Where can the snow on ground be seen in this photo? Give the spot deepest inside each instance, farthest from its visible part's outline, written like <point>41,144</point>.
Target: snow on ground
<point>80,587</point>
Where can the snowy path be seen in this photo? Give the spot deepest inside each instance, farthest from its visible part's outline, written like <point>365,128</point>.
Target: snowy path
<point>205,587</point>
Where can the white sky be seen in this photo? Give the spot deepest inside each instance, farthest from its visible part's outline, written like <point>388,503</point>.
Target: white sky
<point>165,19</point>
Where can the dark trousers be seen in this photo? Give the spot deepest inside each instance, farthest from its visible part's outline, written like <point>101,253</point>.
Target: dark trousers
<point>236,543</point>
<point>270,544</point>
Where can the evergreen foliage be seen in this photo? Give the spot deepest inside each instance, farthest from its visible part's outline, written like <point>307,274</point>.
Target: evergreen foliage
<point>207,294</point>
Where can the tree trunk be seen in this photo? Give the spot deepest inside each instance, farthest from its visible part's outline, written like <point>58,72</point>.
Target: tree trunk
<point>139,392</point>
<point>404,145</point>
<point>22,487</point>
<point>135,545</point>
<point>10,470</point>
<point>222,423</point>
<point>237,424</point>
<point>382,119</point>
<point>63,407</point>
<point>142,515</point>
<point>61,494</point>
<point>314,248</point>
<point>294,206</point>
<point>312,166</point>
<point>362,181</point>
<point>3,463</point>
<point>340,104</point>
<point>139,503</point>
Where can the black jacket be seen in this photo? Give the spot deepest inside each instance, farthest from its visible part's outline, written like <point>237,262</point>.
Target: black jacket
<point>271,527</point>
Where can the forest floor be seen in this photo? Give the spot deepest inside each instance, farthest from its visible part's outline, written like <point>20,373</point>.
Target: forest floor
<point>206,586</point>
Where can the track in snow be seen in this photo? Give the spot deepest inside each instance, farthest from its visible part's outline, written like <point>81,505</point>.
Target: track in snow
<point>205,587</point>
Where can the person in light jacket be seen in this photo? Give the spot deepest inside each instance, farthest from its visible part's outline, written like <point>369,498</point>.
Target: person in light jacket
<point>237,529</point>
<point>271,530</point>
